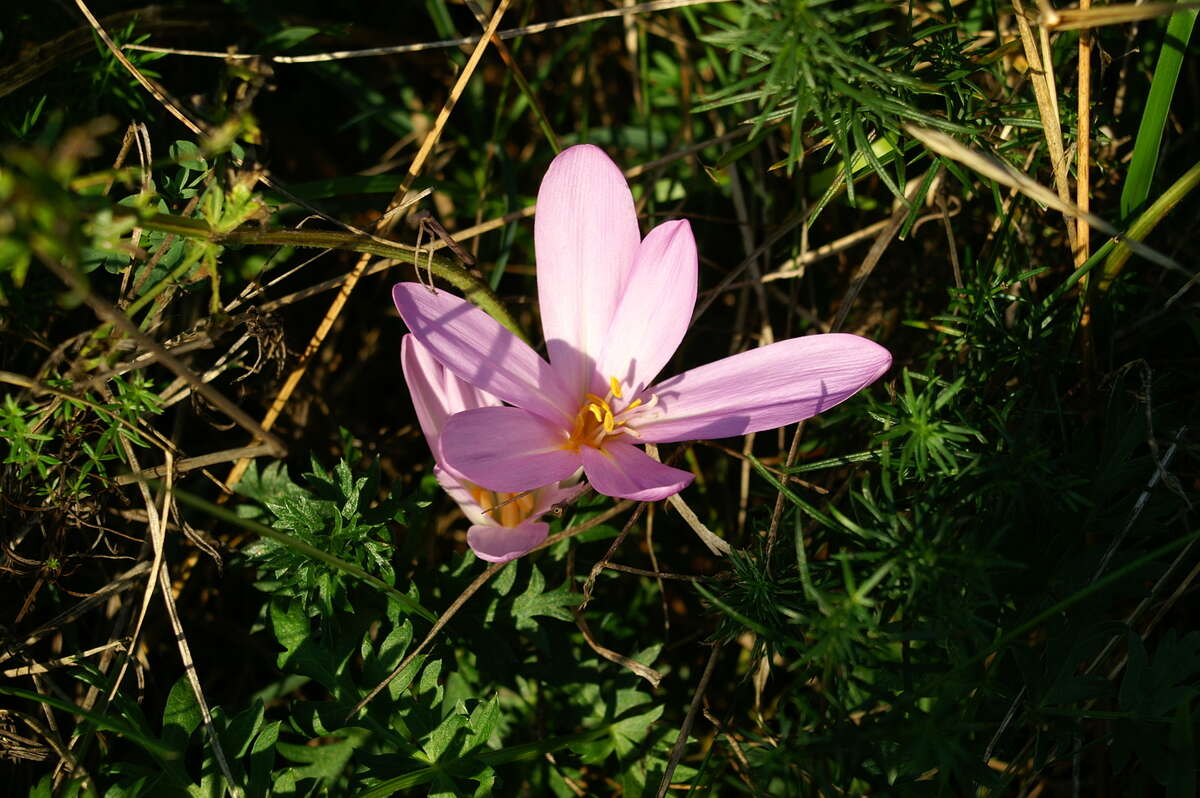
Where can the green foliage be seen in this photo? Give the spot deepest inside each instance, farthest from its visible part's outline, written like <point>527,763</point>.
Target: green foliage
<point>334,514</point>
<point>975,577</point>
<point>24,444</point>
<point>72,442</point>
<point>537,601</point>
<point>797,62</point>
<point>927,443</point>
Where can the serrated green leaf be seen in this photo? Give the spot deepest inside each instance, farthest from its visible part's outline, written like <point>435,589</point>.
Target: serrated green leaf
<point>438,741</point>
<point>325,761</point>
<point>429,679</point>
<point>534,602</point>
<point>483,722</point>
<point>268,483</point>
<point>627,734</point>
<point>505,580</point>
<point>306,549</point>
<point>487,783</point>
<point>476,764</point>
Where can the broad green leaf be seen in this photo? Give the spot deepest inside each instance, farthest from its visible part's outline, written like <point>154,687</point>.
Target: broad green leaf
<point>181,715</point>
<point>242,729</point>
<point>188,155</point>
<point>262,757</point>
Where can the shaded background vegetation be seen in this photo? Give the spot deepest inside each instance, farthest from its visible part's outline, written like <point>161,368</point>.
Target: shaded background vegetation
<point>975,578</point>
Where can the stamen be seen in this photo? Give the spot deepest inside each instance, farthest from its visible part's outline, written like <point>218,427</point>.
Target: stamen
<point>599,419</point>
<point>486,500</point>
<point>510,512</point>
<point>507,509</point>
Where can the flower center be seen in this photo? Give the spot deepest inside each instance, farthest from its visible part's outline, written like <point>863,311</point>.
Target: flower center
<point>508,509</point>
<point>597,420</point>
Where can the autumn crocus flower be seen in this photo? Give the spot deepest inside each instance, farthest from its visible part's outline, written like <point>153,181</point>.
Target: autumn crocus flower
<point>614,309</point>
<point>503,525</point>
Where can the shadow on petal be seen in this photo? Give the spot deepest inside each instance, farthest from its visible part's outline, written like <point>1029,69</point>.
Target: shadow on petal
<point>625,471</point>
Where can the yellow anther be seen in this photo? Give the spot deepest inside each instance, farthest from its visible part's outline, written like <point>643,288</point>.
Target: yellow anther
<point>608,420</point>
<point>592,399</point>
<point>633,404</point>
<point>596,411</point>
<point>614,386</point>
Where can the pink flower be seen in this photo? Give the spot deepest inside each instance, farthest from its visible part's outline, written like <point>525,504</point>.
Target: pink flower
<point>504,525</point>
<point>614,309</point>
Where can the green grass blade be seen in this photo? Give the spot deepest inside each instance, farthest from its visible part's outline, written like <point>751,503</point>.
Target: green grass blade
<point>804,506</point>
<point>1154,119</point>
<point>104,722</point>
<point>1080,595</point>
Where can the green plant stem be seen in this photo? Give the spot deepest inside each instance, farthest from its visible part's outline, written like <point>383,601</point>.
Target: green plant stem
<point>1113,254</point>
<point>265,531</point>
<point>177,274</point>
<point>1149,219</point>
<point>473,289</point>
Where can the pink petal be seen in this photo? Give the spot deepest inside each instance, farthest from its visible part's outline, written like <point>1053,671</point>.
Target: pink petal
<point>764,388</point>
<point>474,346</point>
<point>436,393</point>
<point>625,471</point>
<point>502,543</point>
<point>506,449</point>
<point>586,236</point>
<point>655,309</point>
